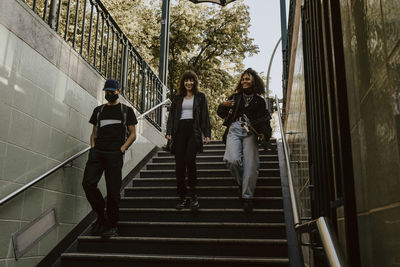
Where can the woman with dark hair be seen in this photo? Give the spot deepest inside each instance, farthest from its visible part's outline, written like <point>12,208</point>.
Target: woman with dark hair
<point>246,118</point>
<point>188,122</point>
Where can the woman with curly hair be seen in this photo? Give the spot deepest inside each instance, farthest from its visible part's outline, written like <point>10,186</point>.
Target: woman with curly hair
<point>246,118</point>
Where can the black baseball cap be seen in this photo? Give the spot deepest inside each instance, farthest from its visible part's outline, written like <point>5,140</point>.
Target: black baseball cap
<point>111,85</point>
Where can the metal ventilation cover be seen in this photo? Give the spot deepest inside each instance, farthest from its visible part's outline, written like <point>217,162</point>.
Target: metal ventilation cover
<point>26,237</point>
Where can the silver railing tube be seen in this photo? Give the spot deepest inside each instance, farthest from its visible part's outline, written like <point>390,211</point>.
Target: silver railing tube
<point>289,172</point>
<point>65,162</point>
<point>330,243</point>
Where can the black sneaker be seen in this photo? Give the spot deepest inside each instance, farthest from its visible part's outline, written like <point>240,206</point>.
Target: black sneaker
<point>110,232</point>
<point>194,204</point>
<point>98,227</point>
<point>247,205</point>
<point>184,203</point>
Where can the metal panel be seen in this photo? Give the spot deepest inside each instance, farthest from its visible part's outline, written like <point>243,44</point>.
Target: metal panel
<point>33,232</point>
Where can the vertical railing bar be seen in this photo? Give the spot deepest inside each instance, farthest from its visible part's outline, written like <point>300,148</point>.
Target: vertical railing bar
<point>96,37</point>
<point>117,61</point>
<point>34,6</point>
<point>108,43</point>
<point>130,77</point>
<point>90,30</point>
<point>135,82</point>
<point>76,23</point>
<point>83,27</point>
<point>102,41</point>
<point>45,10</point>
<point>58,16</point>
<point>112,53</point>
<point>67,20</point>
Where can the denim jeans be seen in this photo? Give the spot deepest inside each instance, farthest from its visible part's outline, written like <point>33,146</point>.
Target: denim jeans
<point>241,157</point>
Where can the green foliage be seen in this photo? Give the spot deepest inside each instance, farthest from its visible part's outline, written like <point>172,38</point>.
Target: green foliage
<point>208,39</point>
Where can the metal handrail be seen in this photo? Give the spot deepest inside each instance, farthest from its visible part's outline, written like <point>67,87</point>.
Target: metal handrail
<point>65,162</point>
<point>289,172</point>
<point>328,237</point>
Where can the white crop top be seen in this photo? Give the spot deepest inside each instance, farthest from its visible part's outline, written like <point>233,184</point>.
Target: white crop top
<point>187,109</point>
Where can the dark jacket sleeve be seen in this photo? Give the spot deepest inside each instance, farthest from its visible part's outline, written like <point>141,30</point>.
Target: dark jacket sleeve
<point>171,117</point>
<point>205,118</point>
<point>223,111</point>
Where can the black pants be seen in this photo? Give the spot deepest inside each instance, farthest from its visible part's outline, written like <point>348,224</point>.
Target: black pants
<point>185,158</point>
<point>111,163</point>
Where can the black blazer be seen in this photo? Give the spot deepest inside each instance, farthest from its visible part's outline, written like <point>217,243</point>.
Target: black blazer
<point>201,118</point>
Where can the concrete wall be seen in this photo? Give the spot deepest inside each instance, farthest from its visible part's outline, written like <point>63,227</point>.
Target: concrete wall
<point>371,32</point>
<point>47,94</point>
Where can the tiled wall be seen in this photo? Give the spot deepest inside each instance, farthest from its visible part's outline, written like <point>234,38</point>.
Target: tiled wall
<point>371,32</point>
<point>44,117</point>
<point>44,120</point>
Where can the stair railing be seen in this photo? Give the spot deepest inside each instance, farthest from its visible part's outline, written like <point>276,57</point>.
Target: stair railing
<point>328,237</point>
<point>65,162</point>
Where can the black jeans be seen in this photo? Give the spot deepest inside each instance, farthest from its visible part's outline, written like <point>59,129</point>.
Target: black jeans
<point>111,163</point>
<point>185,158</point>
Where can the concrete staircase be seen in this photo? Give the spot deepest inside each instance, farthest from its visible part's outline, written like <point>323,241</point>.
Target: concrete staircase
<point>154,233</point>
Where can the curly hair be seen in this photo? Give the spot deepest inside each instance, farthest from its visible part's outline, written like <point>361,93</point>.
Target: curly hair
<point>188,75</point>
<point>258,85</point>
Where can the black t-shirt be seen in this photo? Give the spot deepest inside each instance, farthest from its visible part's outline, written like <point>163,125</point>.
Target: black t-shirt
<point>111,133</point>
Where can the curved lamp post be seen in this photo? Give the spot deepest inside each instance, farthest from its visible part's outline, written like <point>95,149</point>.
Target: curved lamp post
<point>219,2</point>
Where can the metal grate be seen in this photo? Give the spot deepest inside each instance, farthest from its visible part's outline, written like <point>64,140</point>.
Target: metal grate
<point>28,236</point>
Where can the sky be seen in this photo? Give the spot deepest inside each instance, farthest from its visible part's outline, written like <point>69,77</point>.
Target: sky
<point>266,30</point>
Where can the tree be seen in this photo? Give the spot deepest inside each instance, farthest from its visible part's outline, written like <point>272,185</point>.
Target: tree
<point>211,40</point>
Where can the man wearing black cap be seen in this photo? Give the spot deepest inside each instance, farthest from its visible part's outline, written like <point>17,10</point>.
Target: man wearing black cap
<point>113,132</point>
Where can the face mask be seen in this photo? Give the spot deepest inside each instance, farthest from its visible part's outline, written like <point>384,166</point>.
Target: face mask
<point>111,97</point>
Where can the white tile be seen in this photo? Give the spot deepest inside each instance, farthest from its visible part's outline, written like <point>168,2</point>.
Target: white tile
<point>74,124</point>
<point>41,137</point>
<point>5,118</point>
<point>10,50</point>
<point>21,129</point>
<point>57,145</point>
<point>44,108</point>
<point>16,164</point>
<point>60,116</point>
<point>37,69</point>
<point>25,96</point>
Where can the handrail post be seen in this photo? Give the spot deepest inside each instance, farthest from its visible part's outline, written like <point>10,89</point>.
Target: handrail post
<point>124,67</point>
<point>143,89</point>
<point>52,13</point>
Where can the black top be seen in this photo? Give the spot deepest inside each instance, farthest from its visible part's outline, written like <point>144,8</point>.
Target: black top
<point>201,118</point>
<point>111,133</point>
<point>256,111</point>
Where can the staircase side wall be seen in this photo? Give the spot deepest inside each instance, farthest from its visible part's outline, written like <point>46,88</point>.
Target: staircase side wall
<point>47,94</point>
<point>371,34</point>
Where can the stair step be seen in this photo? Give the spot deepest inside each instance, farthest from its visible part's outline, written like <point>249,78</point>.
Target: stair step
<point>222,146</point>
<point>203,181</point>
<point>207,165</point>
<point>202,215</point>
<point>261,191</point>
<point>206,173</point>
<point>203,230</point>
<point>205,202</point>
<point>202,158</point>
<point>137,260</point>
<point>216,152</point>
<point>185,246</point>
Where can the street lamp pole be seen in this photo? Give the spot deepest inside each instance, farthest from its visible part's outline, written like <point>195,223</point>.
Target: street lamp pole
<point>164,44</point>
